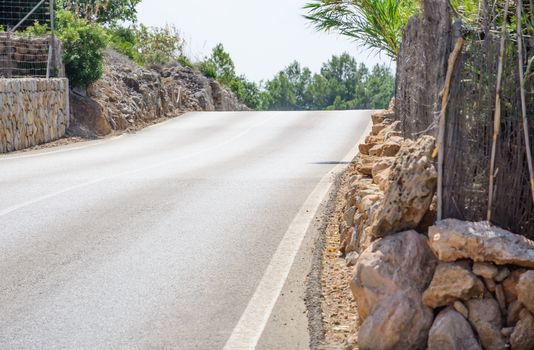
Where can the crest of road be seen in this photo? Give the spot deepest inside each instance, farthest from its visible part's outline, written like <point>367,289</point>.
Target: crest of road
<point>196,233</point>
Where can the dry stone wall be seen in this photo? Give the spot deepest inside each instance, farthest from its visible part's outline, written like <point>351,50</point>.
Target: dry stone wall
<point>32,112</point>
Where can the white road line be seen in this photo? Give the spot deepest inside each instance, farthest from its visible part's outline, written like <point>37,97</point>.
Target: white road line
<point>250,326</point>
<point>130,172</point>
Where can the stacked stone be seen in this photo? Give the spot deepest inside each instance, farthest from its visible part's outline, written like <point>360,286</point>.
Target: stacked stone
<point>465,286</point>
<point>17,52</point>
<point>482,281</point>
<point>367,186</point>
<point>392,189</point>
<point>32,112</point>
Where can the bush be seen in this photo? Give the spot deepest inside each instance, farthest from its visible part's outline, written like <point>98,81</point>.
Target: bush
<point>158,45</point>
<point>84,46</point>
<point>124,41</point>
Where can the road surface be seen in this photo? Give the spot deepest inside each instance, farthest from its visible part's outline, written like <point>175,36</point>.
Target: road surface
<point>165,239</point>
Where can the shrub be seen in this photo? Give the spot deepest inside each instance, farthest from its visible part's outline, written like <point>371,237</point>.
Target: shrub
<point>158,45</point>
<point>84,46</point>
<point>124,41</point>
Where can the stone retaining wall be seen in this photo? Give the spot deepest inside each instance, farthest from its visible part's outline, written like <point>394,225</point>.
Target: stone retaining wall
<point>32,112</point>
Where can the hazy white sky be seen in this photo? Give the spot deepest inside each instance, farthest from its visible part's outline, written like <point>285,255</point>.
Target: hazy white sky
<point>262,36</point>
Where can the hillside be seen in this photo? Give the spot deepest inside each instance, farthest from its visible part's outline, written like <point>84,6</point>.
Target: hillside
<point>129,97</point>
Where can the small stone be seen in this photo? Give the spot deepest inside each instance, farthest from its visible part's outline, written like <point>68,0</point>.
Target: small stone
<point>525,290</point>
<point>522,337</point>
<point>485,317</point>
<point>501,299</point>
<point>490,284</point>
<point>514,309</point>
<point>485,270</point>
<point>507,332</point>
<point>510,283</point>
<point>451,331</point>
<point>452,281</point>
<point>461,308</point>
<point>352,258</point>
<point>503,273</point>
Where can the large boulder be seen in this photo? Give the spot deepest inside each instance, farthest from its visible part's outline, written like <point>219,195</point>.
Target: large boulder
<point>411,186</point>
<point>453,240</point>
<point>525,290</point>
<point>389,278</point>
<point>452,281</point>
<point>451,331</point>
<point>399,262</point>
<point>399,321</point>
<point>485,317</point>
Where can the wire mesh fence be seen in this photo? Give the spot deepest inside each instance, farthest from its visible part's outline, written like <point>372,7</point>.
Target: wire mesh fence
<point>471,113</point>
<point>468,140</point>
<point>22,53</point>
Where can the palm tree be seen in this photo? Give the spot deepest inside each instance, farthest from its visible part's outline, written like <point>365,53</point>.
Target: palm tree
<point>377,24</point>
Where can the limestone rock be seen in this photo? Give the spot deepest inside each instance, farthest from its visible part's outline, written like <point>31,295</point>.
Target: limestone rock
<point>399,321</point>
<point>391,265</point>
<point>451,331</point>
<point>453,239</point>
<point>522,338</point>
<point>485,317</point>
<point>513,312</point>
<point>411,186</point>
<point>364,164</point>
<point>503,273</point>
<point>381,171</point>
<point>452,281</point>
<point>525,290</point>
<point>461,308</point>
<point>485,270</point>
<point>510,285</point>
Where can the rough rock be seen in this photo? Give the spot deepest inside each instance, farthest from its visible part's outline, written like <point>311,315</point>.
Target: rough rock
<point>131,96</point>
<point>461,308</point>
<point>365,164</point>
<point>381,171</point>
<point>451,331</point>
<point>399,321</point>
<point>411,186</point>
<point>522,338</point>
<point>513,312</point>
<point>452,281</point>
<point>525,290</point>
<point>503,273</point>
<point>394,264</point>
<point>510,285</point>
<point>453,239</point>
<point>485,317</point>
<point>485,270</point>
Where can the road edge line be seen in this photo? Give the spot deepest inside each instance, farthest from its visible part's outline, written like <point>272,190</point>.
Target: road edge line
<point>248,330</point>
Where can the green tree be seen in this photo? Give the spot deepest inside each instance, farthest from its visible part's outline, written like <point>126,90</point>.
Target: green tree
<point>289,89</point>
<point>376,24</point>
<point>102,11</point>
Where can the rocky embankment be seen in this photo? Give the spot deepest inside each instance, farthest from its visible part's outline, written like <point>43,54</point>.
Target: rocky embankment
<point>129,97</point>
<point>422,284</point>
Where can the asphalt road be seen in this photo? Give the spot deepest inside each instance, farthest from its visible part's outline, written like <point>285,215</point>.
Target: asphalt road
<point>156,240</point>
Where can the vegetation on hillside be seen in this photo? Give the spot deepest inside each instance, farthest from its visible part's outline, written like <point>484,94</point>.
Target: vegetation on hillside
<point>88,27</point>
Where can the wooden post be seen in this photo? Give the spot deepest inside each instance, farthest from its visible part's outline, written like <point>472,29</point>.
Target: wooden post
<point>497,121</point>
<point>441,133</point>
<point>523,98</point>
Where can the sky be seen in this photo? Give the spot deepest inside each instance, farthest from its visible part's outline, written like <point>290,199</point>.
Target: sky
<point>262,36</point>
